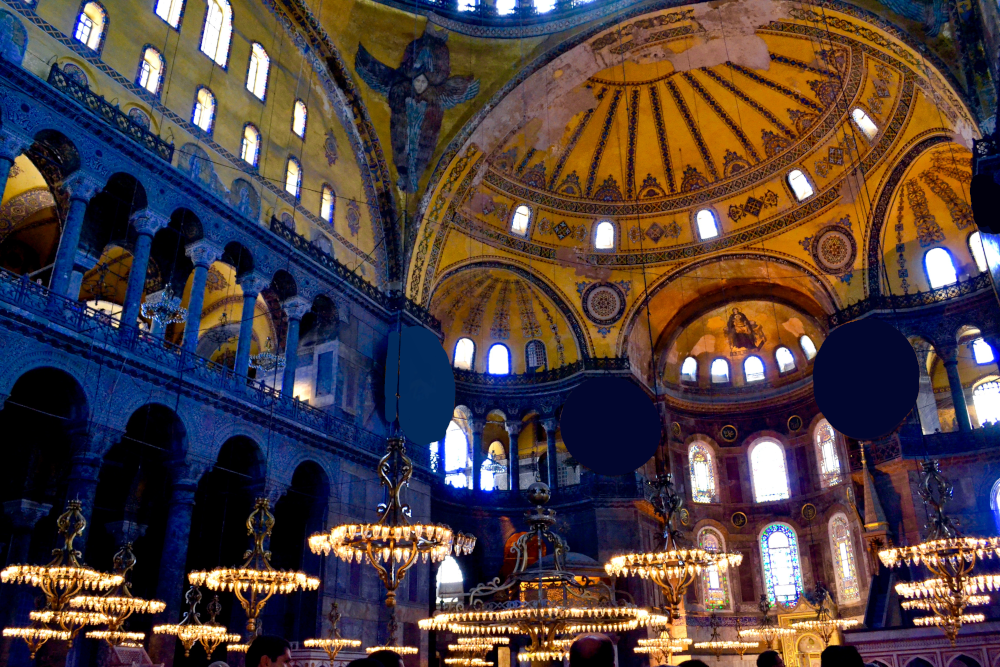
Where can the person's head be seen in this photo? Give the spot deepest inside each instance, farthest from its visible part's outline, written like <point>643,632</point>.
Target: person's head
<point>269,651</point>
<point>386,658</point>
<point>592,650</point>
<point>692,663</point>
<point>770,659</point>
<point>841,656</point>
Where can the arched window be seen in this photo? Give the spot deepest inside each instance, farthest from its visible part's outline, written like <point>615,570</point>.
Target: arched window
<point>250,149</point>
<point>848,586</point>
<point>466,5</point>
<point>689,370</point>
<point>714,582</point>
<point>450,582</point>
<point>786,362</point>
<point>864,123</point>
<point>493,471</point>
<point>720,371</point>
<point>799,184</point>
<point>768,472</point>
<point>703,489</point>
<point>808,348</point>
<point>519,223</point>
<point>456,456</point>
<point>498,360</point>
<point>218,31</point>
<point>982,351</point>
<point>940,269</point>
<point>299,117</point>
<point>978,251</point>
<point>604,236</point>
<point>827,455</point>
<point>326,203</point>
<point>753,369</point>
<point>293,177</point>
<point>90,25</point>
<point>257,71</point>
<point>534,355</point>
<point>505,7</point>
<point>170,11</point>
<point>150,70</point>
<point>986,400</point>
<point>204,109</point>
<point>543,6</point>
<point>779,551</point>
<point>708,226</point>
<point>465,354</point>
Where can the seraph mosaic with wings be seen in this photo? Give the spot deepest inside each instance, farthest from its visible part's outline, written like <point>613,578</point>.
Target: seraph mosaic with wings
<point>418,91</point>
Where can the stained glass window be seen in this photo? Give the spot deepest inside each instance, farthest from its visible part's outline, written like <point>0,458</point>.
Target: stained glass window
<point>770,477</point>
<point>714,582</point>
<point>702,473</point>
<point>826,452</point>
<point>843,555</point>
<point>779,551</point>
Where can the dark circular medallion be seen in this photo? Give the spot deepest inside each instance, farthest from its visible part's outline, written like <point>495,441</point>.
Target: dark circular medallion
<point>794,423</point>
<point>729,433</point>
<point>833,249</point>
<point>675,428</point>
<point>603,303</point>
<point>685,516</point>
<point>739,519</point>
<point>808,511</point>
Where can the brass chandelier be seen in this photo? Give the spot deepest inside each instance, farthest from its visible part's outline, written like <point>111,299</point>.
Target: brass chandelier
<point>675,567</point>
<point>118,604</point>
<point>471,651</point>
<point>716,644</point>
<point>192,630</point>
<point>949,557</point>
<point>62,579</point>
<point>255,581</point>
<point>392,545</point>
<point>335,642</point>
<point>540,602</point>
<point>767,628</point>
<point>824,623</point>
<point>664,644</point>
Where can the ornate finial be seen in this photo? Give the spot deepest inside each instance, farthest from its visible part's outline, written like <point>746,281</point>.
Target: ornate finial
<point>864,464</point>
<point>334,618</point>
<point>667,504</point>
<point>259,525</point>
<point>71,524</point>
<point>764,605</point>
<point>936,492</point>
<point>213,609</point>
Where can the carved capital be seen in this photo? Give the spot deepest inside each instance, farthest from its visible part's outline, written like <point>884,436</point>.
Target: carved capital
<point>252,283</point>
<point>477,424</point>
<point>24,513</point>
<point>550,425</point>
<point>100,439</point>
<point>148,222</point>
<point>203,252</point>
<point>948,354</point>
<point>513,427</point>
<point>295,307</point>
<point>186,473</point>
<point>82,186</point>
<point>13,143</point>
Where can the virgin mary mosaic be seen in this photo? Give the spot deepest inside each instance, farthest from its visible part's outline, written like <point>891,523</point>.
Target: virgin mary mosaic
<point>743,333</point>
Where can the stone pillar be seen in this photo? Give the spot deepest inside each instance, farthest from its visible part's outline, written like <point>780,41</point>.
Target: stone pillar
<point>949,356</point>
<point>930,422</point>
<point>476,425</point>
<point>11,145</point>
<point>81,188</point>
<point>295,308</point>
<point>173,565</point>
<point>15,600</point>
<point>251,284</point>
<point>145,223</point>
<point>550,425</point>
<point>513,462</point>
<point>202,254</point>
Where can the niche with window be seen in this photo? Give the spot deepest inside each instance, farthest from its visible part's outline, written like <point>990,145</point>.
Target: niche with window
<point>808,347</point>
<point>520,220</point>
<point>326,203</point>
<point>978,251</point>
<point>940,268</point>
<point>299,117</point>
<point>150,70</point>
<point>498,360</point>
<point>465,354</point>
<point>714,581</point>
<point>779,551</point>
<point>218,31</point>
<point>753,369</point>
<point>702,466</point>
<point>689,370</point>
<point>258,70</point>
<point>250,148</point>
<point>982,352</point>
<point>848,585</point>
<point>768,472</point>
<point>719,371</point>
<point>170,11</point>
<point>203,115</point>
<point>293,177</point>
<point>986,401</point>
<point>708,226</point>
<point>450,583</point>
<point>91,25</point>
<point>785,360</point>
<point>800,185</point>
<point>493,471</point>
<point>454,456</point>
<point>534,356</point>
<point>827,455</point>
<point>604,236</point>
<point>864,123</point>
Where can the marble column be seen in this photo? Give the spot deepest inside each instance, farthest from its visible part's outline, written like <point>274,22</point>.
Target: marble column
<point>251,284</point>
<point>476,425</point>
<point>926,403</point>
<point>145,223</point>
<point>81,188</point>
<point>550,425</point>
<point>11,145</point>
<point>201,253</point>
<point>513,428</point>
<point>16,601</point>
<point>295,308</point>
<point>170,586</point>
<point>949,356</point>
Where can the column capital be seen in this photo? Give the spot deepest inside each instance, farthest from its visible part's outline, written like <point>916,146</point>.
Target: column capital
<point>148,222</point>
<point>82,186</point>
<point>948,354</point>
<point>203,252</point>
<point>252,283</point>
<point>13,143</point>
<point>550,424</point>
<point>24,513</point>
<point>477,424</point>
<point>295,307</point>
<point>513,427</point>
<point>184,472</point>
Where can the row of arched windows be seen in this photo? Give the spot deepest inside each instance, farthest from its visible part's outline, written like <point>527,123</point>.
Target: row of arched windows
<point>498,357</point>
<point>753,366</point>
<point>768,471</point>
<point>940,265</point>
